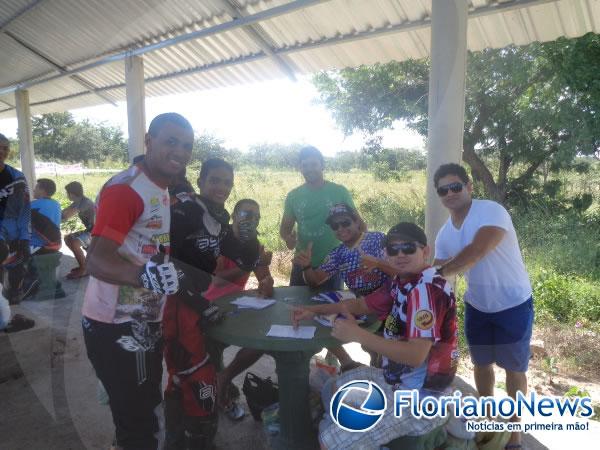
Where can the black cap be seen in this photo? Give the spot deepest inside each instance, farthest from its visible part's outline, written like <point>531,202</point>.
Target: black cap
<point>407,231</point>
<point>340,209</point>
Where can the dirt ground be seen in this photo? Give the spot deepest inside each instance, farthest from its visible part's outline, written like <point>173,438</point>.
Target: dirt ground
<point>48,390</point>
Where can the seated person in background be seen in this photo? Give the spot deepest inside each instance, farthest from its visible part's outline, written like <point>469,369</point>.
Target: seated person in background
<point>419,344</point>
<point>45,218</point>
<point>345,261</point>
<point>45,233</point>
<point>245,219</point>
<point>246,215</point>
<point>86,210</point>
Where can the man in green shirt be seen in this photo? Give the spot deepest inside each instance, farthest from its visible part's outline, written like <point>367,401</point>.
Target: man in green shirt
<point>308,205</point>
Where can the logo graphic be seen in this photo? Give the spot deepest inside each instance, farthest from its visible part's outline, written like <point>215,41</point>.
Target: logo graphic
<point>358,405</point>
<point>424,319</point>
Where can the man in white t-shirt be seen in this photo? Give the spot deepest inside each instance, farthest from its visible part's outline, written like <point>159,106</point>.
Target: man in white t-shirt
<point>480,241</point>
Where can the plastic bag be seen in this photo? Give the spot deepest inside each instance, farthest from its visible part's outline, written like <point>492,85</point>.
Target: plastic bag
<point>260,393</point>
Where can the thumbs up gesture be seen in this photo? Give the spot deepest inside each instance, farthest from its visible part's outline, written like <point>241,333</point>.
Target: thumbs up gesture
<point>304,257</point>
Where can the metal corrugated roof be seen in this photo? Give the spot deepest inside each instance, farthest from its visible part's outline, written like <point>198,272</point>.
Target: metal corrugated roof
<point>40,38</point>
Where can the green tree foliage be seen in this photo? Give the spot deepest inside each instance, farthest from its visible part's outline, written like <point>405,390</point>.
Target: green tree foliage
<point>57,136</point>
<point>525,107</point>
<point>207,146</point>
<point>273,155</point>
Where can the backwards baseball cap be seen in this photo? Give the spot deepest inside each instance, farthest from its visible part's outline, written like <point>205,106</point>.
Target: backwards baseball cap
<point>406,231</point>
<point>340,209</point>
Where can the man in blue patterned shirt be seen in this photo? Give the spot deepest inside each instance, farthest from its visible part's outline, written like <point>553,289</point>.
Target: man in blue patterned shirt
<point>345,259</point>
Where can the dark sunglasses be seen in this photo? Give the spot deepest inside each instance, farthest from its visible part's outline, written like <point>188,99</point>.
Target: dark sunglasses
<point>454,187</point>
<point>248,215</point>
<point>407,248</point>
<point>343,223</point>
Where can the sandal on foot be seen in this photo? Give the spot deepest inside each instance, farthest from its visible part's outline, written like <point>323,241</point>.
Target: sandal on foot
<point>18,323</point>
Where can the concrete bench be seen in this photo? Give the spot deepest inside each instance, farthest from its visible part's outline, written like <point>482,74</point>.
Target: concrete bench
<point>45,266</point>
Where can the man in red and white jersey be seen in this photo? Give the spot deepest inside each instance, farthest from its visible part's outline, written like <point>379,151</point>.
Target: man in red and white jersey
<point>129,282</point>
<point>419,343</point>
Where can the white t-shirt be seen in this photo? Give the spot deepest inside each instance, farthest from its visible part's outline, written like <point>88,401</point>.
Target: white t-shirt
<point>499,280</point>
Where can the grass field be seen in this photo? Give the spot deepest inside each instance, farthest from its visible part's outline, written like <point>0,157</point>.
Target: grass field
<point>561,250</point>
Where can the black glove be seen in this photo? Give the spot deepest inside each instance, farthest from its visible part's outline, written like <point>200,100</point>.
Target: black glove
<point>160,278</point>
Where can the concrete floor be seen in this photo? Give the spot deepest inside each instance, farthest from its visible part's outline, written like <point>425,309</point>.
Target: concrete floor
<point>48,388</point>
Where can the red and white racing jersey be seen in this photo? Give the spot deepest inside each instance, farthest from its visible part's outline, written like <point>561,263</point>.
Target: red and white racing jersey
<point>133,211</point>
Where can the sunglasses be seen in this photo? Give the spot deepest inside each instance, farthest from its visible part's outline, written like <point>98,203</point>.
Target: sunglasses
<point>407,248</point>
<point>343,223</point>
<point>248,215</point>
<point>454,187</point>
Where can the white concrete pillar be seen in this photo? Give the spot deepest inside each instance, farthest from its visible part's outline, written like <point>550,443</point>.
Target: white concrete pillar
<point>446,99</point>
<point>25,137</point>
<point>136,112</point>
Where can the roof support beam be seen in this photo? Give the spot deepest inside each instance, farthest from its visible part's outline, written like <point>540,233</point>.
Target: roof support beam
<point>136,112</point>
<point>256,33</point>
<point>75,77</point>
<point>20,13</point>
<point>25,137</point>
<point>220,28</point>
<point>446,100</point>
<point>340,39</point>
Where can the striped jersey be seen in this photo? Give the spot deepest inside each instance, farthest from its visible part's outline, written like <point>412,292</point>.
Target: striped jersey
<point>423,307</point>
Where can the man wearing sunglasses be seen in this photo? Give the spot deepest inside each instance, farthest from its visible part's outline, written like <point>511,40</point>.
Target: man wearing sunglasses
<point>480,241</point>
<point>419,343</point>
<point>344,260</point>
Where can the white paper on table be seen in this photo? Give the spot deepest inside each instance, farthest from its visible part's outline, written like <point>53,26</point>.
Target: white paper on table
<point>288,331</point>
<point>252,302</point>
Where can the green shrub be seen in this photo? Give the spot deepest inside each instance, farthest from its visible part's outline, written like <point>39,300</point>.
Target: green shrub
<point>566,298</point>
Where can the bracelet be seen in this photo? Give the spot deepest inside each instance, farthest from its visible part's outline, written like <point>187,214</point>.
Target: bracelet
<point>306,268</point>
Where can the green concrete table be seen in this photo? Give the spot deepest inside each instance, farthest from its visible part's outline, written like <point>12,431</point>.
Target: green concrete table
<point>248,328</point>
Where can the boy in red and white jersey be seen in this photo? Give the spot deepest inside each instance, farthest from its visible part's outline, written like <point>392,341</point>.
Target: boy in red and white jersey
<point>419,343</point>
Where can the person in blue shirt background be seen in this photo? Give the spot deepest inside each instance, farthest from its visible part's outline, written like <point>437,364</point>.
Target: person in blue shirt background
<point>45,218</point>
<point>45,233</point>
<point>15,226</point>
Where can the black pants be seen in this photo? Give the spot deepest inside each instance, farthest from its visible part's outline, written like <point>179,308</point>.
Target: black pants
<point>128,360</point>
<point>12,275</point>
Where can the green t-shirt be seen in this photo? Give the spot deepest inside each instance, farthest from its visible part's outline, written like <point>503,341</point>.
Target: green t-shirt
<point>310,208</point>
